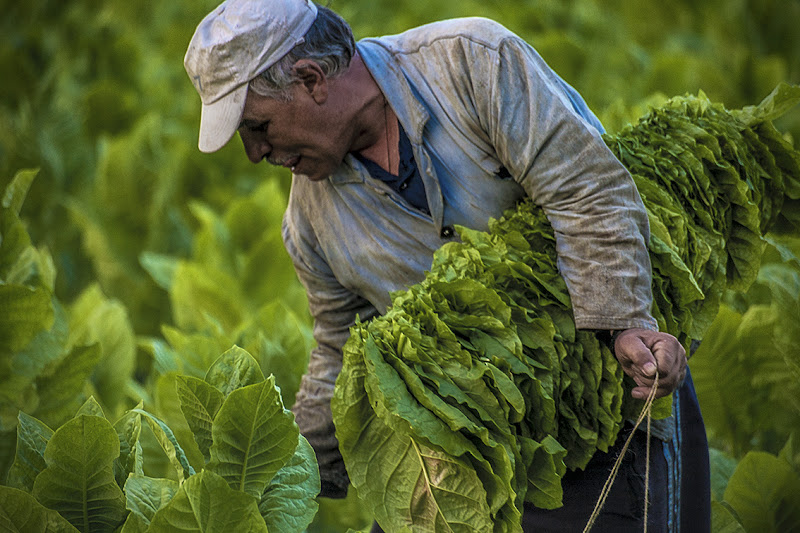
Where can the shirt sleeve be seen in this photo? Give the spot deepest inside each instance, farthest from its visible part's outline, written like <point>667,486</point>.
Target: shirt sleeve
<point>590,199</point>
<point>334,309</point>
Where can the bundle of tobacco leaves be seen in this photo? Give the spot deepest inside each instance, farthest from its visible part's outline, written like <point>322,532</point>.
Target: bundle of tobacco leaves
<point>475,392</point>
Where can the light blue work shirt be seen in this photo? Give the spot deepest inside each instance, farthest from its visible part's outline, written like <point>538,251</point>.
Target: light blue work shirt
<point>489,123</point>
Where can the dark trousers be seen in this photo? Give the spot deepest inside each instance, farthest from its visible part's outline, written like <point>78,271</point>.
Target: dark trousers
<point>687,457</point>
<point>623,510</point>
<point>679,491</point>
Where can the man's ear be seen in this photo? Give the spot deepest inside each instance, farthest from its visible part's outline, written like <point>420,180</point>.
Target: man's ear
<point>313,79</point>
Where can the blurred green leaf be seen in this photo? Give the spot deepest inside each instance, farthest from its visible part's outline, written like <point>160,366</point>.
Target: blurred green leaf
<point>722,468</point>
<point>32,439</point>
<point>160,267</point>
<point>723,520</point>
<point>764,491</point>
<point>14,195</point>
<point>26,312</point>
<point>96,319</point>
<point>21,513</point>
<point>62,383</point>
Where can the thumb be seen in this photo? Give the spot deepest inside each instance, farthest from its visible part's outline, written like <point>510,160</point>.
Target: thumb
<point>636,355</point>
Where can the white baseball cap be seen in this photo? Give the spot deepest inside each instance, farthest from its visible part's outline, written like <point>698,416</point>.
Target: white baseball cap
<point>231,46</point>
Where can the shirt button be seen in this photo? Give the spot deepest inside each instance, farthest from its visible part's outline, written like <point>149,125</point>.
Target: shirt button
<point>404,186</point>
<point>447,232</point>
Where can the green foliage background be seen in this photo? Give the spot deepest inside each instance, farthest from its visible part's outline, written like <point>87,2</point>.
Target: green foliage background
<point>165,257</point>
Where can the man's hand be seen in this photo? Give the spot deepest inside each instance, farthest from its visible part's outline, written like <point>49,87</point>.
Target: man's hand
<point>642,352</point>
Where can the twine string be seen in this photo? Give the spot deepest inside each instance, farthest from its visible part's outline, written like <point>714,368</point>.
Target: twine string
<point>601,500</point>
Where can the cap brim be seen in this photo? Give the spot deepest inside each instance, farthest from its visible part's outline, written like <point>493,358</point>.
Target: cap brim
<point>220,120</point>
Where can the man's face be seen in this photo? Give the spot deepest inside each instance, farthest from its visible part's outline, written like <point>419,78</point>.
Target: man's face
<point>300,134</point>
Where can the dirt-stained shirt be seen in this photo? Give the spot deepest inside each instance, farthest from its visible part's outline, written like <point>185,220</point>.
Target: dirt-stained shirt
<point>490,123</point>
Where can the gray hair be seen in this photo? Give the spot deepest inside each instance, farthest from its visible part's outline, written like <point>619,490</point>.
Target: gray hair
<point>329,42</point>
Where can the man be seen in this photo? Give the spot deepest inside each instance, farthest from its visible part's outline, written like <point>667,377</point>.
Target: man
<point>392,142</point>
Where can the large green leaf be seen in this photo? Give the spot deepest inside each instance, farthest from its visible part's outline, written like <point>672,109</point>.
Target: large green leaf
<point>233,369</point>
<point>79,479</point>
<point>289,502</point>
<point>205,503</point>
<point>8,445</point>
<point>411,485</point>
<point>403,482</point>
<point>144,496</point>
<point>32,439</point>
<point>764,492</point>
<point>200,403</point>
<point>21,513</point>
<point>254,436</point>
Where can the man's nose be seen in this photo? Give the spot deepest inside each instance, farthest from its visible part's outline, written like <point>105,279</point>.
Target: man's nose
<point>256,147</point>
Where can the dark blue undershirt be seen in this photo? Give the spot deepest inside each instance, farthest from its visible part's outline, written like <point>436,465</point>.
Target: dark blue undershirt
<point>408,182</point>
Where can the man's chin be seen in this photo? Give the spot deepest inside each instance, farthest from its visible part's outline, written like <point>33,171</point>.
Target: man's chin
<point>314,169</point>
<point>315,173</point>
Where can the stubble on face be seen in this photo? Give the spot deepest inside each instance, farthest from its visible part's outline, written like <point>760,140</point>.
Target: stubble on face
<point>325,118</point>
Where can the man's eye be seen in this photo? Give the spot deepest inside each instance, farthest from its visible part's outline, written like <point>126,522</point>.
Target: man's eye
<point>257,127</point>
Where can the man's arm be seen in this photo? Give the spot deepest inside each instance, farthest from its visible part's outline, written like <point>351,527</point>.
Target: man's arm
<point>334,310</point>
<point>599,220</point>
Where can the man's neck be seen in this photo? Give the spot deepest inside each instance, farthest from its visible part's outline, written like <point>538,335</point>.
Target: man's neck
<point>377,131</point>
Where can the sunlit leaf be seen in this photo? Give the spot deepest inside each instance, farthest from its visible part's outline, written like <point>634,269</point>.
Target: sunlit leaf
<point>200,403</point>
<point>289,502</point>
<point>234,369</point>
<point>205,503</point>
<point>78,481</point>
<point>254,436</point>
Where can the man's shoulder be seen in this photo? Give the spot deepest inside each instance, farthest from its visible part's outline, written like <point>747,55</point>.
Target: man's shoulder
<point>479,30</point>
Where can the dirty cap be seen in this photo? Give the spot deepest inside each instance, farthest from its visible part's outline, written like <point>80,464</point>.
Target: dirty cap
<point>231,46</point>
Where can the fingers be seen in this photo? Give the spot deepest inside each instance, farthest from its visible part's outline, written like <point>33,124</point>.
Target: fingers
<point>643,353</point>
